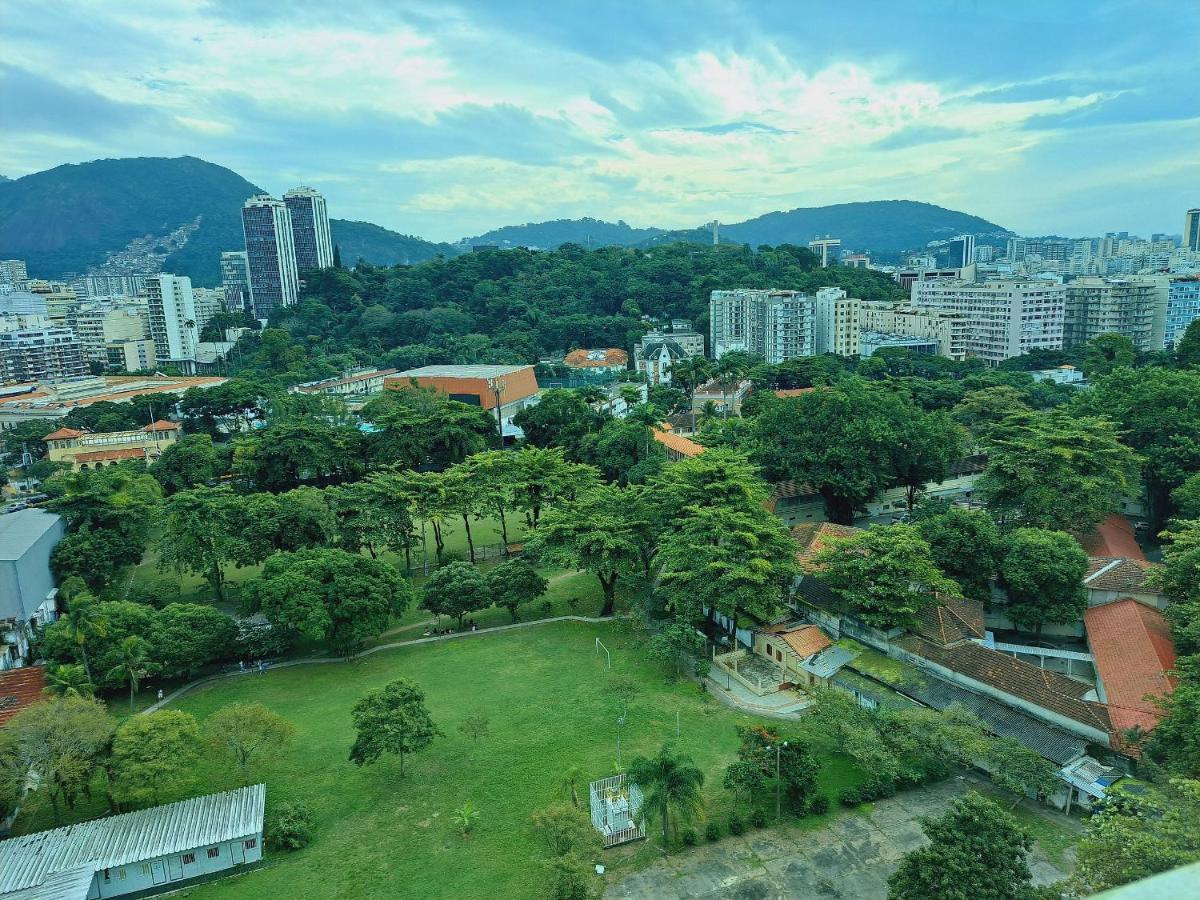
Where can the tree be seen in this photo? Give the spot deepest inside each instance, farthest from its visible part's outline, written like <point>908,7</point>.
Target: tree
<point>738,560</point>
<point>1133,835</point>
<point>493,473</point>
<point>367,518</point>
<point>475,726</point>
<point>1187,351</point>
<point>68,680</point>
<point>1179,575</point>
<point>839,439</point>
<point>669,783</point>
<point>718,477</point>
<point>926,445</point>
<point>330,595</point>
<point>965,544</point>
<point>63,740</point>
<point>95,555</point>
<point>188,636</point>
<point>1106,352</point>
<point>976,850</point>
<point>980,411</point>
<point>561,418</point>
<point>291,452</point>
<point>133,652</point>
<point>514,582</point>
<point>1042,573</point>
<point>464,498</point>
<point>688,374</point>
<point>203,531</point>
<point>187,463</point>
<point>245,731</point>
<point>299,519</point>
<point>745,778</point>
<point>455,590</point>
<point>1186,497</point>
<point>565,829</point>
<point>1175,742</point>
<point>886,576</point>
<point>464,817</point>
<point>153,754</point>
<point>82,622</point>
<point>1057,470</point>
<point>542,477</point>
<point>392,720</point>
<point>672,643</point>
<point>594,532</point>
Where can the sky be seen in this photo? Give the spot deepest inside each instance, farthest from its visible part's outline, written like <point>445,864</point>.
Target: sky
<point>445,120</point>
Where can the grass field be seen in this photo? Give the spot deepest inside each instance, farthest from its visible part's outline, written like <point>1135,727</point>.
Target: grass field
<point>379,835</point>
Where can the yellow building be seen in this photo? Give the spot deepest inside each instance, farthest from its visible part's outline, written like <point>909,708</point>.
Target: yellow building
<point>85,450</point>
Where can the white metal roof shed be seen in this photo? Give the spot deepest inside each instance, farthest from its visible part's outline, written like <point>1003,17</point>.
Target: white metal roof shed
<point>34,859</point>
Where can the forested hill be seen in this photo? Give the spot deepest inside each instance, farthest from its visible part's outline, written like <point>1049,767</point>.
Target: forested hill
<point>515,306</point>
<point>882,226</point>
<point>69,218</point>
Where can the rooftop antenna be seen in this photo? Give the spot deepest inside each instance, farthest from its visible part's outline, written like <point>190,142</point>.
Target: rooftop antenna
<point>716,230</point>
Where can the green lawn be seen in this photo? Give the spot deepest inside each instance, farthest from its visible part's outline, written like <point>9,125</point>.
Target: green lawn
<point>382,836</point>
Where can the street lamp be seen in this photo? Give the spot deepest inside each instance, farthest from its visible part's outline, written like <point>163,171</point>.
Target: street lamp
<point>778,750</point>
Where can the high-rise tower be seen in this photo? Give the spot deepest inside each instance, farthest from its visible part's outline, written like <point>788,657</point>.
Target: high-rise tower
<point>270,254</point>
<point>310,228</point>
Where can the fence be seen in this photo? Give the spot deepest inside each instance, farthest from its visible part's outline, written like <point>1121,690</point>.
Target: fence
<point>483,553</point>
<point>616,810</point>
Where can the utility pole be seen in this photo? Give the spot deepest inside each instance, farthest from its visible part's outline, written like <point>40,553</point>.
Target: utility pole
<point>497,385</point>
<point>778,783</point>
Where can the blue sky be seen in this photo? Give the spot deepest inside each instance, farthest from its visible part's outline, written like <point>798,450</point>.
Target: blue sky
<point>444,119</point>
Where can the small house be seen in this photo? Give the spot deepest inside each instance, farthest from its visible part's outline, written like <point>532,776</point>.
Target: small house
<point>147,851</point>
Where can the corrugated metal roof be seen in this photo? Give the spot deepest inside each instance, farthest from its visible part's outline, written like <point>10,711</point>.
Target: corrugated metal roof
<point>31,860</point>
<point>22,529</point>
<point>828,662</point>
<point>73,884</point>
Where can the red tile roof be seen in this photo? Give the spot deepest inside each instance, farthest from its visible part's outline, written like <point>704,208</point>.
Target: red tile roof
<point>812,537</point>
<point>19,688</point>
<point>793,392</point>
<point>162,425</point>
<point>582,359</point>
<point>951,621</point>
<point>1113,537</point>
<point>1131,644</point>
<point>63,434</point>
<point>676,443</point>
<point>111,455</point>
<point>805,640</point>
<point>1119,574</point>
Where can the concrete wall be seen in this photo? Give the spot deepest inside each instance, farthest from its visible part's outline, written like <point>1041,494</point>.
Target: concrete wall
<point>25,582</point>
<point>163,873</point>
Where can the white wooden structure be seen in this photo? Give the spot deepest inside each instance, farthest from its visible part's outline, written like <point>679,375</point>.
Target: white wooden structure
<point>617,810</point>
<point>144,852</point>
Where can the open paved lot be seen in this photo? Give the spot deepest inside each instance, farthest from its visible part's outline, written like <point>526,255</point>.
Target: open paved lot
<point>850,858</point>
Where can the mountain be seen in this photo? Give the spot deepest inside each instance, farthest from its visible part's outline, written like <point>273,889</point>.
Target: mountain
<point>69,218</point>
<point>378,245</point>
<point>4,178</point>
<point>549,235</point>
<point>882,226</point>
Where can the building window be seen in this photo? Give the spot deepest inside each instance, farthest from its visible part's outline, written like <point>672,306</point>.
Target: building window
<point>251,843</point>
<point>145,868</point>
<point>214,852</point>
<point>189,858</point>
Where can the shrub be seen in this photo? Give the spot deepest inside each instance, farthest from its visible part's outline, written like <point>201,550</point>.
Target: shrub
<point>819,805</point>
<point>289,826</point>
<point>851,796</point>
<point>736,825</point>
<point>688,836</point>
<point>712,831</point>
<point>758,818</point>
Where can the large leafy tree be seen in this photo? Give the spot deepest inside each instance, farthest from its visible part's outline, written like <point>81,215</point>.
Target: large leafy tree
<point>330,595</point>
<point>965,544</point>
<point>975,850</point>
<point>298,519</point>
<point>1042,573</point>
<point>980,411</point>
<point>1107,352</point>
<point>1057,470</point>
<point>367,518</point>
<point>417,428</point>
<point>926,446</point>
<point>203,531</point>
<point>188,463</point>
<point>121,500</point>
<point>886,576</point>
<point>152,755</point>
<point>561,418</point>
<point>245,732</point>
<point>515,582</point>
<point>188,636</point>
<point>455,590</point>
<point>494,475</point>
<point>839,439</point>
<point>542,477</point>
<point>718,477</point>
<point>1175,742</point>
<point>292,452</point>
<point>96,555</point>
<point>598,531</point>
<point>133,664</point>
<point>670,784</point>
<point>392,720</point>
<point>63,740</point>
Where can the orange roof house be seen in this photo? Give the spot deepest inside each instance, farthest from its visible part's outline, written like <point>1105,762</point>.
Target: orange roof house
<point>813,537</point>
<point>1112,537</point>
<point>1134,654</point>
<point>804,640</point>
<point>63,434</point>
<point>477,385</point>
<point>19,688</point>
<point>677,446</point>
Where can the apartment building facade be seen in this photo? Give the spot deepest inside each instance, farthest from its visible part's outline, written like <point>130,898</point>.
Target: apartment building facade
<point>949,331</point>
<point>310,228</point>
<point>172,314</point>
<point>1005,317</point>
<point>773,324</point>
<point>40,352</point>
<point>1135,307</point>
<point>99,324</point>
<point>270,254</point>
<point>1183,308</point>
<point>836,322</point>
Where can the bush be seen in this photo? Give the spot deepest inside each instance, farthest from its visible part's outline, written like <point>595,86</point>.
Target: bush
<point>712,831</point>
<point>851,796</point>
<point>867,792</point>
<point>688,836</point>
<point>818,805</point>
<point>758,818</point>
<point>289,826</point>
<point>736,825</point>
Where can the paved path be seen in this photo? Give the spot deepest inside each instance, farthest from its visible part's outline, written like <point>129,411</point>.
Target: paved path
<point>779,705</point>
<point>320,660</point>
<point>850,857</point>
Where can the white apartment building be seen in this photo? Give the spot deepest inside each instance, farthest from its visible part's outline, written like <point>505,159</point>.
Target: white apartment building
<point>1183,308</point>
<point>172,311</point>
<point>1005,317</point>
<point>99,324</point>
<point>950,331</point>
<point>836,322</point>
<point>1135,307</point>
<point>310,228</point>
<point>773,324</point>
<point>13,271</point>
<point>209,302</point>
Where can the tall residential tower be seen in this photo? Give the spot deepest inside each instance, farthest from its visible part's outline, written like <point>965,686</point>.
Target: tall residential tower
<point>310,228</point>
<point>270,254</point>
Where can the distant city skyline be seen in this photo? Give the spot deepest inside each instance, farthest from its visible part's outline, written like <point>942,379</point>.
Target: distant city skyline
<point>447,120</point>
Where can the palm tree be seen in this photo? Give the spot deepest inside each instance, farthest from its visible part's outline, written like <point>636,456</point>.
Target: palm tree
<point>464,817</point>
<point>131,665</point>
<point>688,374</point>
<point>84,621</point>
<point>668,781</point>
<point>70,680</point>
